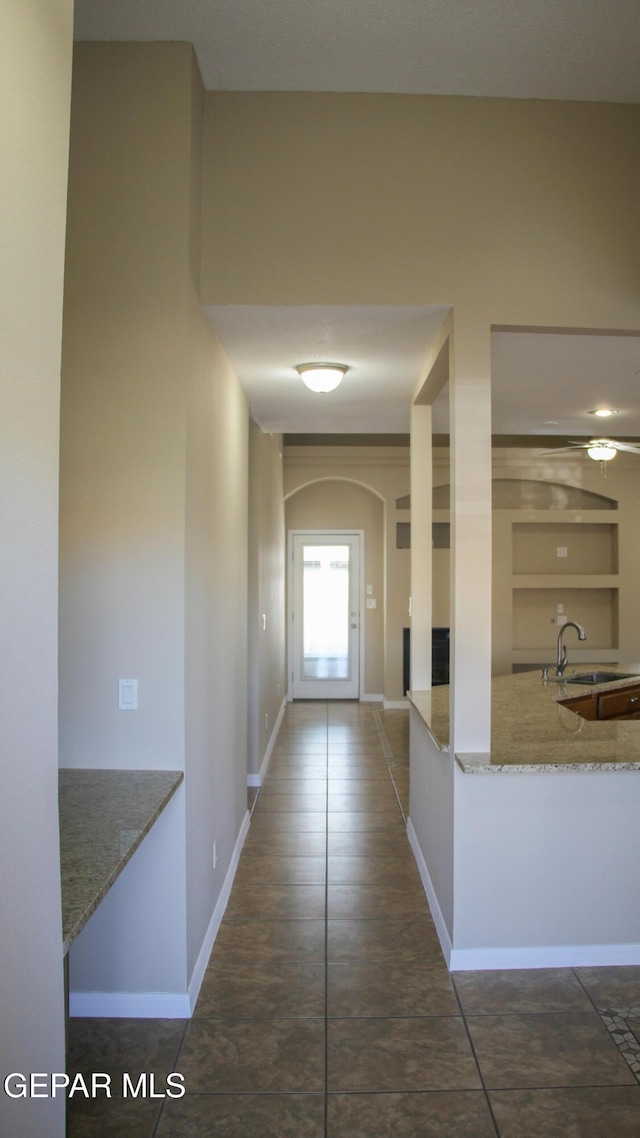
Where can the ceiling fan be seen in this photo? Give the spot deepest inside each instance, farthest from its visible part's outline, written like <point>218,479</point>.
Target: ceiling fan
<point>600,450</point>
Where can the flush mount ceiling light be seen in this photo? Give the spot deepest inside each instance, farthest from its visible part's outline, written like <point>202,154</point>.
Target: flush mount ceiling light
<point>603,412</point>
<point>322,377</point>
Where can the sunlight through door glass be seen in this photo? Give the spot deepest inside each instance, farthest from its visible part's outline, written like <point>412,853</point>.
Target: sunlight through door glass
<point>326,612</point>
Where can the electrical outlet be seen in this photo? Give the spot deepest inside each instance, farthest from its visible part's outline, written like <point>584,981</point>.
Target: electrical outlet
<point>561,551</point>
<point>215,854</point>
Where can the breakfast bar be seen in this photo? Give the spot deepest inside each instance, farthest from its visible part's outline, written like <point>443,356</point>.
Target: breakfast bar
<point>539,863</point>
<point>104,816</point>
<point>533,727</point>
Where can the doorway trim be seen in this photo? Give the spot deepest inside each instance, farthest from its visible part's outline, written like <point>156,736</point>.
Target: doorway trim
<point>338,533</point>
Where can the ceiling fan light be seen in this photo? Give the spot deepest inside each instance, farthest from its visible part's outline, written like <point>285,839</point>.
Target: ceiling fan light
<point>601,452</point>
<point>322,377</point>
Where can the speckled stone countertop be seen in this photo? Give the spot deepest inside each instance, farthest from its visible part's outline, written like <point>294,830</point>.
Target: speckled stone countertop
<point>532,733</point>
<point>104,815</point>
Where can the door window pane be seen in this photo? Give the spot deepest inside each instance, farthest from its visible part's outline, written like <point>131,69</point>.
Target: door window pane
<point>325,612</point>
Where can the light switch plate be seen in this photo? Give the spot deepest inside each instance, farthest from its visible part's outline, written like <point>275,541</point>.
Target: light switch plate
<point>127,695</point>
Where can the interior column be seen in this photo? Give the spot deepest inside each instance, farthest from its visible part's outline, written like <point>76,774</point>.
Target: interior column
<point>470,432</point>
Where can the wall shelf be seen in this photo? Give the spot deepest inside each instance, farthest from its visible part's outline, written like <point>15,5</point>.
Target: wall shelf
<point>564,581</point>
<point>550,566</point>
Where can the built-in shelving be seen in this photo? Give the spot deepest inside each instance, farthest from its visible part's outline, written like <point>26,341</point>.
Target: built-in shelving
<point>531,521</point>
<point>552,565</point>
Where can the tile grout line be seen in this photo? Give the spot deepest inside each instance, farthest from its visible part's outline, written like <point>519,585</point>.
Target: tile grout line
<point>625,1047</point>
<point>475,1057</point>
<point>158,1118</point>
<point>387,751</point>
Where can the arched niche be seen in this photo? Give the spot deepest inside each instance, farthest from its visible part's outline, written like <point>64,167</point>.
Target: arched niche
<point>531,494</point>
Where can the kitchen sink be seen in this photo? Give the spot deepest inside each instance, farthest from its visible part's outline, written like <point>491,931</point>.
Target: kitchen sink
<point>598,677</point>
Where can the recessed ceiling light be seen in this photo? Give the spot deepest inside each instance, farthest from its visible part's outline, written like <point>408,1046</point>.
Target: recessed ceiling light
<point>603,412</point>
<point>322,377</point>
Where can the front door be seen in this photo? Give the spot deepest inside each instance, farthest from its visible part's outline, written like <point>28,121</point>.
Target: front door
<point>325,615</point>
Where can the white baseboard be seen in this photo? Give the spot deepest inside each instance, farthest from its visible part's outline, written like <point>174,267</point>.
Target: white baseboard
<point>371,699</point>
<point>163,1005</point>
<point>201,963</point>
<point>534,956</point>
<point>133,1005</point>
<point>258,779</point>
<point>543,956</point>
<point>434,905</point>
<point>396,704</point>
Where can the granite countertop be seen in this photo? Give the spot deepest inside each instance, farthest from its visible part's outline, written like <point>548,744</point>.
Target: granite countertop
<point>104,815</point>
<point>532,732</point>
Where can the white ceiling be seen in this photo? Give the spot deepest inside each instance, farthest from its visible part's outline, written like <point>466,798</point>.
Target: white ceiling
<point>532,49</point>
<point>543,383</point>
<point>544,49</point>
<point>546,383</point>
<point>384,348</point>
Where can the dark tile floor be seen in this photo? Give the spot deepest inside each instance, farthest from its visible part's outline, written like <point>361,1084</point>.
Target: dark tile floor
<point>327,1010</point>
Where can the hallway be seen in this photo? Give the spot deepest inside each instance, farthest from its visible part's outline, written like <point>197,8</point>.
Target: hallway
<point>327,1009</point>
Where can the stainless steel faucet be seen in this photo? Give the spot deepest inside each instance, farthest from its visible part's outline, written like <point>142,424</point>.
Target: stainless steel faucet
<point>561,658</point>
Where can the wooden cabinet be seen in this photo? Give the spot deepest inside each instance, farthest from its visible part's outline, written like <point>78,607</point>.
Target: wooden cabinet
<point>583,705</point>
<point>616,704</point>
<point>623,703</point>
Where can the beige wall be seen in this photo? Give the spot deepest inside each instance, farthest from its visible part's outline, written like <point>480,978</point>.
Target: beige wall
<point>154,485</point>
<point>216,493</point>
<point>35,86</point>
<point>123,418</point>
<point>266,610</point>
<point>371,479</point>
<point>215,624</point>
<point>525,211</point>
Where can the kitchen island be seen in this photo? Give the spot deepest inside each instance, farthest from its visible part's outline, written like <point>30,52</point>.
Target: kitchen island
<point>532,730</point>
<point>538,864</point>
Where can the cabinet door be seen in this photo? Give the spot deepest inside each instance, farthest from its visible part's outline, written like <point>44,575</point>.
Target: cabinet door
<point>624,701</point>
<point>584,705</point>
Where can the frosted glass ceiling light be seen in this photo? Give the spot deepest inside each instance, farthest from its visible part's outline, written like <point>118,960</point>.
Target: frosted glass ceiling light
<point>601,451</point>
<point>322,377</point>
<point>603,412</point>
